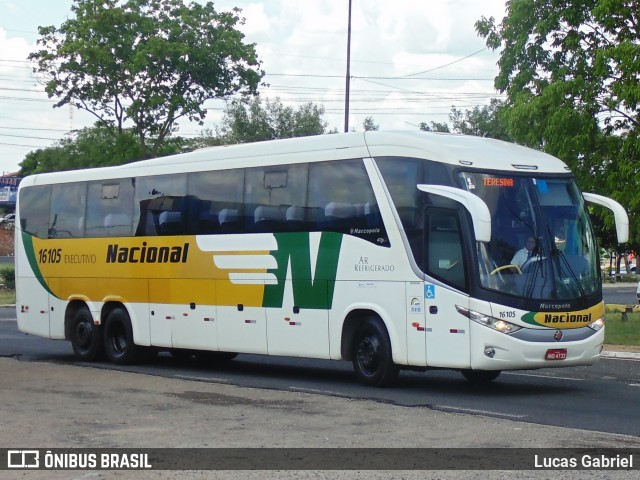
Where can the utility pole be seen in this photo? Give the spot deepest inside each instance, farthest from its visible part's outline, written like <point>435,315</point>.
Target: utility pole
<point>348,86</point>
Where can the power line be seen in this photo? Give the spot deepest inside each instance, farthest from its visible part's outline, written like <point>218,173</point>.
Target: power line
<point>373,77</point>
<point>31,128</point>
<point>27,136</point>
<point>446,65</point>
<point>26,99</point>
<point>21,90</point>
<point>20,145</point>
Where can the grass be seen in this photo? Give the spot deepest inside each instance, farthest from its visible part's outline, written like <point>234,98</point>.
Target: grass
<point>7,297</point>
<point>620,332</point>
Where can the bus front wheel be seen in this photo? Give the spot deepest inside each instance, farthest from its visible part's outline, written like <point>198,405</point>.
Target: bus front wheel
<point>118,338</point>
<point>85,336</point>
<point>371,354</point>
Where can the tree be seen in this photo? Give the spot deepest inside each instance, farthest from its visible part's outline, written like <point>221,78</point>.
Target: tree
<point>149,62</point>
<point>370,125</point>
<point>483,121</point>
<point>93,147</point>
<point>434,127</point>
<point>572,77</point>
<point>248,120</point>
<point>486,121</point>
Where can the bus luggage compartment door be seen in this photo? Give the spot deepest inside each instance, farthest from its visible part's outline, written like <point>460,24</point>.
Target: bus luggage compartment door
<point>33,307</point>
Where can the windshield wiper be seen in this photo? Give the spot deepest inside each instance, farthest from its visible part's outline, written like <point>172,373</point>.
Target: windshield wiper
<point>567,265</point>
<point>536,267</point>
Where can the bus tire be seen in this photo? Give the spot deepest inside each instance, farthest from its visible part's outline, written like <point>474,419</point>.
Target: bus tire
<point>85,336</point>
<point>118,338</point>
<point>371,355</point>
<point>480,377</point>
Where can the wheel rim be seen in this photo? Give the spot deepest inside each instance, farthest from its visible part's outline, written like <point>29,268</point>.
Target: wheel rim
<point>368,355</point>
<point>118,339</point>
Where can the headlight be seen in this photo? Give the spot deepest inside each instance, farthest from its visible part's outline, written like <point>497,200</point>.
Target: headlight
<point>494,323</point>
<point>597,325</point>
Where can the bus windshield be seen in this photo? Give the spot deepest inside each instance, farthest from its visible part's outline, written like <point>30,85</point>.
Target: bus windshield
<point>542,245</point>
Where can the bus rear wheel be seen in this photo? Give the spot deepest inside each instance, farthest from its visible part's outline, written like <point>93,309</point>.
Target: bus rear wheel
<point>118,338</point>
<point>480,377</point>
<point>371,353</point>
<point>85,336</point>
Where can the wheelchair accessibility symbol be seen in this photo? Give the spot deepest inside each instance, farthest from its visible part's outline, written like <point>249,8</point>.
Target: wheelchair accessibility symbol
<point>429,291</point>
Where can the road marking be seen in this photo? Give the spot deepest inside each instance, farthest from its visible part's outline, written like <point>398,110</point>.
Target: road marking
<point>202,379</point>
<point>543,376</point>
<point>446,408</point>
<point>322,392</point>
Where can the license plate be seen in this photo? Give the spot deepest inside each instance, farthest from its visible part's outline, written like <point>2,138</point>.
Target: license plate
<point>556,354</point>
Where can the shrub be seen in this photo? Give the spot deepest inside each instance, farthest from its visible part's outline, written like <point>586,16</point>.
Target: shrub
<point>8,276</point>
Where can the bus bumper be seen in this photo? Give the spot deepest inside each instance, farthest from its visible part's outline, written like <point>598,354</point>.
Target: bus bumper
<point>492,350</point>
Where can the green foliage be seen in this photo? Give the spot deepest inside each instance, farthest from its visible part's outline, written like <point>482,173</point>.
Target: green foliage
<point>94,147</point>
<point>484,121</point>
<point>148,62</point>
<point>481,122</point>
<point>248,120</point>
<point>8,276</point>
<point>571,72</point>
<point>434,127</point>
<point>370,125</point>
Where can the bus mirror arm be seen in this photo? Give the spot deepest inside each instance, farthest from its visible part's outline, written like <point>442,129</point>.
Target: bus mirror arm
<point>619,214</point>
<point>479,211</point>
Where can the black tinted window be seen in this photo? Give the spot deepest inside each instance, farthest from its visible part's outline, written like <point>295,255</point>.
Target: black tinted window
<point>67,216</point>
<point>160,205</point>
<point>215,201</point>
<point>109,208</point>
<point>341,199</point>
<point>34,205</point>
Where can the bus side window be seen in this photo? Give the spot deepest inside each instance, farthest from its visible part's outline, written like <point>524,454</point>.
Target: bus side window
<point>444,247</point>
<point>34,210</point>
<point>158,195</point>
<point>109,207</point>
<point>68,201</point>
<point>269,191</point>
<point>215,201</point>
<point>341,199</point>
<point>170,222</point>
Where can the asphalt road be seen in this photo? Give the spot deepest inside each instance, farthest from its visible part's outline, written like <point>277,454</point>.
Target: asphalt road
<point>576,397</point>
<point>621,294</point>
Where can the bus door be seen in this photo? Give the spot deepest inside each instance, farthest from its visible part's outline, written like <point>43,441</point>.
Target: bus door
<point>446,330</point>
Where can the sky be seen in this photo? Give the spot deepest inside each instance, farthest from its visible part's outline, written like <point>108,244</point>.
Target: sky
<point>411,62</point>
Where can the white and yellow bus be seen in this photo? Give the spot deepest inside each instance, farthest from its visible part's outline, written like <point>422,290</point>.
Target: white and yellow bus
<point>390,250</point>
